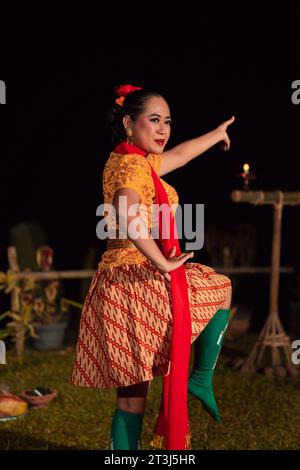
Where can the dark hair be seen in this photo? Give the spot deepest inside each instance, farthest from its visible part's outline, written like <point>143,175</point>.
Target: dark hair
<point>133,105</point>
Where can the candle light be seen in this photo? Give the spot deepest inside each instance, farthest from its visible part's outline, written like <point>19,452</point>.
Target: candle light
<point>246,175</point>
<point>246,168</point>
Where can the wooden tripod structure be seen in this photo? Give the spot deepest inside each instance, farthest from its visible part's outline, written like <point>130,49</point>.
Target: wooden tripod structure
<point>272,335</point>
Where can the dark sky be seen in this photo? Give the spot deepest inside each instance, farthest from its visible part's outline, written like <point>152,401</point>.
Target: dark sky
<point>53,143</point>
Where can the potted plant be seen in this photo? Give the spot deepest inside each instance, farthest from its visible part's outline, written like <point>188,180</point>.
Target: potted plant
<point>37,308</point>
<point>48,309</point>
<point>48,316</point>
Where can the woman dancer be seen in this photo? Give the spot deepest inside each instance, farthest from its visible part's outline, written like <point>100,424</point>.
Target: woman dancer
<point>144,306</point>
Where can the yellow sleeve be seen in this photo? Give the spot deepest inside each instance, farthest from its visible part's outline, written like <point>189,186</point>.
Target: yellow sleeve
<point>155,161</point>
<point>133,173</point>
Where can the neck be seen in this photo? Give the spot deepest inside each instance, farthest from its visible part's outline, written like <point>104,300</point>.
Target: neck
<point>125,147</point>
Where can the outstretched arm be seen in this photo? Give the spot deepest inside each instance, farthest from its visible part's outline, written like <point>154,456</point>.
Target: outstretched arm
<point>183,153</point>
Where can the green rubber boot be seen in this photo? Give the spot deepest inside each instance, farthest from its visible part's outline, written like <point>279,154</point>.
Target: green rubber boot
<point>207,349</point>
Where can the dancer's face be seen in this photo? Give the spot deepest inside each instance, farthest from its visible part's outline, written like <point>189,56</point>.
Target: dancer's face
<point>151,130</point>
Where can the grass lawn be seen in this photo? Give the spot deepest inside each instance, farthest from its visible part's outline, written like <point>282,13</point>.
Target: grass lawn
<point>257,412</point>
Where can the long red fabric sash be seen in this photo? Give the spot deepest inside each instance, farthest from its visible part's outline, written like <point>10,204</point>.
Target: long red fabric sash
<point>172,425</point>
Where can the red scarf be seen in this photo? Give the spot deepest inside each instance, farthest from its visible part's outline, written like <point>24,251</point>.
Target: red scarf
<point>172,425</point>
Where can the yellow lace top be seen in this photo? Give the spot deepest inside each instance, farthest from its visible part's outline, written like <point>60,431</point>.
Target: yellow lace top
<point>131,171</point>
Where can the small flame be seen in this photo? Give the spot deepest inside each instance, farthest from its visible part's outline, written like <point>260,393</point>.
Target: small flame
<point>246,168</point>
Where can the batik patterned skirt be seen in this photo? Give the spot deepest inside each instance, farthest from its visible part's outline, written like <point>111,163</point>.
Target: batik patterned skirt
<point>126,322</point>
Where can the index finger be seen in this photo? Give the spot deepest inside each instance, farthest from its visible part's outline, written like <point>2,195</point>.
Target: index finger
<point>230,121</point>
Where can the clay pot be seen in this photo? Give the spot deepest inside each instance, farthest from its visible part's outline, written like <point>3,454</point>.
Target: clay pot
<point>38,401</point>
<point>239,324</point>
<point>50,337</point>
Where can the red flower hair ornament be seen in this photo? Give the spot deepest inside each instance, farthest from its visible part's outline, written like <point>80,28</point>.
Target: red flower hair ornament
<point>123,90</point>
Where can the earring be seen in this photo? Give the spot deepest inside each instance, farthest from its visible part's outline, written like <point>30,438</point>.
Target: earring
<point>129,136</point>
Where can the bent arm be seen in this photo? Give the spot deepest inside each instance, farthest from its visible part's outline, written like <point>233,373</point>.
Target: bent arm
<point>145,243</point>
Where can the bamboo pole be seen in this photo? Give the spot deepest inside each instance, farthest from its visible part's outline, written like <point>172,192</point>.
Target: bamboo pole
<point>18,326</point>
<point>275,266</point>
<point>253,270</point>
<point>49,275</point>
<point>82,274</point>
<point>267,197</point>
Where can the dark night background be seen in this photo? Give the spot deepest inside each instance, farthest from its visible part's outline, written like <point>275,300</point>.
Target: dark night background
<point>54,146</point>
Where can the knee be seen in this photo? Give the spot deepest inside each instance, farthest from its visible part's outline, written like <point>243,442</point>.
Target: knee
<point>227,302</point>
<point>133,397</point>
<point>132,404</point>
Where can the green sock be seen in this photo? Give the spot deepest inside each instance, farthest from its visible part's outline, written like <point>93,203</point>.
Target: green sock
<point>207,349</point>
<point>126,430</point>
